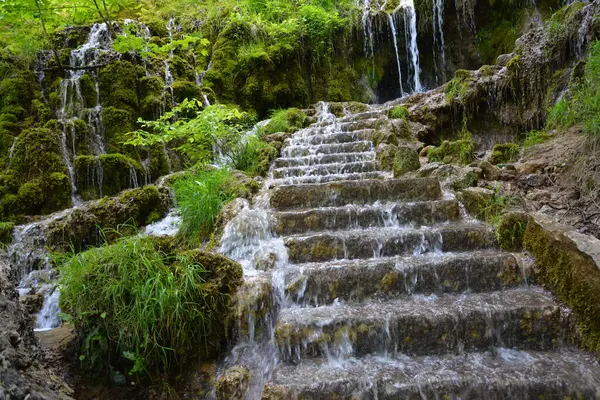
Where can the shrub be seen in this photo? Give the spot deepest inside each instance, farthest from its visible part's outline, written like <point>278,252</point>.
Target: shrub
<point>139,304</point>
<point>201,196</point>
<point>6,233</point>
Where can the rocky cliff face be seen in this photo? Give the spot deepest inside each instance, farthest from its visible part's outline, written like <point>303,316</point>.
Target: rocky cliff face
<point>23,372</point>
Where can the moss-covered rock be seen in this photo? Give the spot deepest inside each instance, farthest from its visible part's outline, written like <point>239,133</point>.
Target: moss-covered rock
<point>476,200</point>
<point>510,230</point>
<point>504,153</point>
<point>567,263</point>
<point>456,152</point>
<point>118,85</point>
<point>36,153</point>
<point>233,384</point>
<point>90,225</point>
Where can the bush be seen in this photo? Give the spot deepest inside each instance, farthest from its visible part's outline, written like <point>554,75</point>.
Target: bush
<point>138,304</point>
<point>201,196</point>
<point>6,233</point>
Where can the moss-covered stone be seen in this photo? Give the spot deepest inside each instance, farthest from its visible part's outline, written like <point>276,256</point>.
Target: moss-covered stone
<point>476,201</point>
<point>118,85</point>
<point>504,153</point>
<point>90,225</point>
<point>567,264</point>
<point>406,160</point>
<point>37,152</point>
<point>456,152</point>
<point>183,89</point>
<point>510,230</point>
<point>106,175</point>
<point>233,384</point>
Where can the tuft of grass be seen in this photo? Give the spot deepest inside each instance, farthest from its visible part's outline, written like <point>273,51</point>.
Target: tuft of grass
<point>399,112</point>
<point>535,137</point>
<point>583,103</point>
<point>252,155</point>
<point>200,196</point>
<point>141,306</point>
<point>289,120</point>
<point>6,233</point>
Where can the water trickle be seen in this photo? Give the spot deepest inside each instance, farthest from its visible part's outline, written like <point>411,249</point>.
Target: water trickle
<point>11,152</point>
<point>48,317</point>
<point>168,226</point>
<point>169,80</point>
<point>395,38</point>
<point>410,27</point>
<point>438,37</point>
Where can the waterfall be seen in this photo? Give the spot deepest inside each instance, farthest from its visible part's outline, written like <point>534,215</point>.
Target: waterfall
<point>48,317</point>
<point>438,35</point>
<point>11,152</point>
<point>168,82</point>
<point>206,101</point>
<point>410,26</point>
<point>368,28</point>
<point>394,36</point>
<point>72,101</point>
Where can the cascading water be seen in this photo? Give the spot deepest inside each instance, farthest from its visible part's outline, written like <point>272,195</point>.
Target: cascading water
<point>11,152</point>
<point>73,107</point>
<point>410,27</point>
<point>395,39</point>
<point>438,37</point>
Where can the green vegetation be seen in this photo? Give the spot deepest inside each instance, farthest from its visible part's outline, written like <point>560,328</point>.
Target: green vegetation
<point>200,196</point>
<point>535,137</point>
<point>505,153</point>
<point>399,112</point>
<point>6,233</point>
<point>289,121</point>
<point>459,85</point>
<point>456,152</point>
<point>582,104</point>
<point>141,305</point>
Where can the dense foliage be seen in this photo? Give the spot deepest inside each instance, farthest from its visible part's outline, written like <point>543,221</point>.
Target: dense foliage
<point>143,306</point>
<point>582,104</point>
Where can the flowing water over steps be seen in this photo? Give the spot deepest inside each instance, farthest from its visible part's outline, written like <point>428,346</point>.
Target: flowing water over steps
<point>388,292</point>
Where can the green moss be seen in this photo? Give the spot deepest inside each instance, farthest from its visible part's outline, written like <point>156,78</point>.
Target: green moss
<point>456,152</point>
<point>118,85</point>
<point>504,153</point>
<point>108,219</point>
<point>88,90</point>
<point>289,120</point>
<point>185,90</point>
<point>399,112</point>
<point>36,153</point>
<point>6,233</point>
<point>571,275</point>
<point>117,124</point>
<point>406,159</point>
<point>458,87</point>
<point>510,230</point>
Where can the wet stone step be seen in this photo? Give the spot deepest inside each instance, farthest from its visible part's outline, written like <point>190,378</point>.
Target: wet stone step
<point>372,114</point>
<point>423,325</point>
<point>325,159</point>
<point>326,169</point>
<point>358,192</point>
<point>502,375</point>
<point>330,178</point>
<point>333,148</point>
<point>388,242</point>
<point>367,216</point>
<point>327,138</point>
<point>383,278</point>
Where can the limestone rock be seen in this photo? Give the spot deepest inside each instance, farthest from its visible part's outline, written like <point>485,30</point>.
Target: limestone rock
<point>490,172</point>
<point>476,199</point>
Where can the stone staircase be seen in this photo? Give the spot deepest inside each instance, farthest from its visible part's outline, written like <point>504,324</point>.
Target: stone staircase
<point>392,293</point>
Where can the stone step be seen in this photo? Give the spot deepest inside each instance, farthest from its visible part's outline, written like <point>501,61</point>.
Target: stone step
<point>332,148</point>
<point>301,180</point>
<point>328,138</point>
<point>387,242</point>
<point>354,192</point>
<point>504,374</point>
<point>320,283</point>
<point>325,159</point>
<point>371,114</point>
<point>326,169</point>
<point>366,216</point>
<point>423,325</point>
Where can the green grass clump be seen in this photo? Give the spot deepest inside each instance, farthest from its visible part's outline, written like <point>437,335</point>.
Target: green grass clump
<point>582,105</point>
<point>505,153</point>
<point>535,137</point>
<point>289,120</point>
<point>399,112</point>
<point>6,233</point>
<point>252,155</point>
<point>459,85</point>
<point>200,196</point>
<point>140,306</point>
